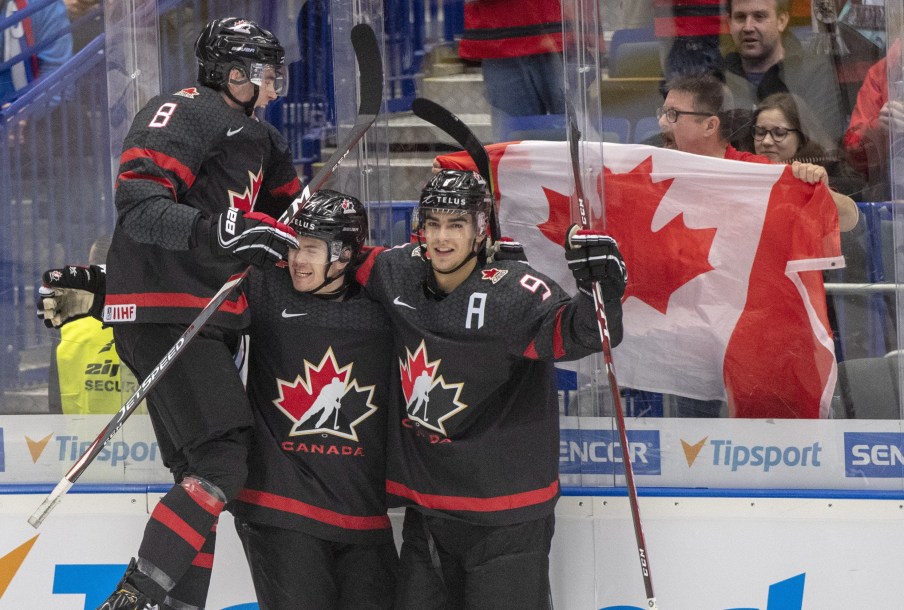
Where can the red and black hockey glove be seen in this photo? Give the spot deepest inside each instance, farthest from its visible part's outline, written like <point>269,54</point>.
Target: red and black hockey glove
<point>594,257</point>
<point>255,238</point>
<point>71,293</point>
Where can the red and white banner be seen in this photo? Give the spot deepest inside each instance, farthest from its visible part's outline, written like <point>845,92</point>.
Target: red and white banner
<point>725,298</point>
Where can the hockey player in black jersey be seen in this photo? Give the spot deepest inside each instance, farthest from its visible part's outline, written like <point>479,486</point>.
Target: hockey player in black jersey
<point>474,435</point>
<point>312,516</point>
<point>199,180</point>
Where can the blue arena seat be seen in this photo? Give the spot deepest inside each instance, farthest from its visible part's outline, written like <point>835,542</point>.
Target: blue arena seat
<point>618,127</point>
<point>533,127</point>
<point>645,128</point>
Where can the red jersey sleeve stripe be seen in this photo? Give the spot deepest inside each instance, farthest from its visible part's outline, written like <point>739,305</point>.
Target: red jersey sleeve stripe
<point>170,299</point>
<point>161,160</point>
<point>558,346</point>
<point>158,179</point>
<point>290,188</point>
<point>483,505</point>
<point>362,275</point>
<point>297,507</point>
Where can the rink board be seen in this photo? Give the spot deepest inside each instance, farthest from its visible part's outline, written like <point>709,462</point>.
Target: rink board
<point>705,553</point>
<point>812,518</point>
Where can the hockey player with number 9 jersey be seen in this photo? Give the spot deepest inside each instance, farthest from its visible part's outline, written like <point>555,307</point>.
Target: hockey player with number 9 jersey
<point>474,435</point>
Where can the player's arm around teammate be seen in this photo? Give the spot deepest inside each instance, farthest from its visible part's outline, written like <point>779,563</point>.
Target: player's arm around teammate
<point>473,435</point>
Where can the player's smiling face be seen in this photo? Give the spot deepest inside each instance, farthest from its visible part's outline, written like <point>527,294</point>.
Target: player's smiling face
<point>449,238</point>
<point>308,263</point>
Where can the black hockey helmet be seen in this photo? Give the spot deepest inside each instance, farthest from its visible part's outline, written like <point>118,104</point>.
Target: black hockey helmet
<point>339,220</point>
<point>454,191</point>
<point>238,43</point>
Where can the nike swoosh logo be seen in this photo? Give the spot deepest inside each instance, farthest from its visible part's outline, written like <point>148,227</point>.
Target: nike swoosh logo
<point>286,314</point>
<point>398,302</point>
<point>232,132</point>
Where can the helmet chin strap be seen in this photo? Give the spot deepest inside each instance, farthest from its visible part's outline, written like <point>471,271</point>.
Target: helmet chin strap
<point>248,106</point>
<point>333,294</point>
<point>431,287</point>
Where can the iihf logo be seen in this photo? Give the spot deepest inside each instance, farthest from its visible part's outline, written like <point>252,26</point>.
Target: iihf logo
<point>429,399</point>
<point>327,400</point>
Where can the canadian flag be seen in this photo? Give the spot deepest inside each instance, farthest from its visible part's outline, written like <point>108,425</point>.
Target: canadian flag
<point>725,298</point>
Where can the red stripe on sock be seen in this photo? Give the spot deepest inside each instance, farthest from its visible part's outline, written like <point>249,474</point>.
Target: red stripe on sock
<point>203,560</point>
<point>165,515</point>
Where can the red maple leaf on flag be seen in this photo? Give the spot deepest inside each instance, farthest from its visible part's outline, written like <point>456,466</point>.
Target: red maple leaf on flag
<point>659,262</point>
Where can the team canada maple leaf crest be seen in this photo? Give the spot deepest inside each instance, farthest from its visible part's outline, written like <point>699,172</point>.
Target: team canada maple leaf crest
<point>326,400</point>
<point>429,399</point>
<point>245,200</point>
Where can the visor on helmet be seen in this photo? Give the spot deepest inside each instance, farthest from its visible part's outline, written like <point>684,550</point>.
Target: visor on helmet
<point>269,75</point>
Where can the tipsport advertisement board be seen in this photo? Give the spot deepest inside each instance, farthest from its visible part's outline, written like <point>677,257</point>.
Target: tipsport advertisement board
<point>735,453</point>
<point>42,448</point>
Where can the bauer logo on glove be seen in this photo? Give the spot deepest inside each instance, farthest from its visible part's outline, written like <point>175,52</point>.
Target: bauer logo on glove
<point>595,257</point>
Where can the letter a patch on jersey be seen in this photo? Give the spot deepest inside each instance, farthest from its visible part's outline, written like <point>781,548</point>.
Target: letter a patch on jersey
<point>430,400</point>
<point>326,400</point>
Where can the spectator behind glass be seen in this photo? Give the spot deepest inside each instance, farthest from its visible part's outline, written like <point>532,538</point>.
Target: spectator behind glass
<point>690,30</point>
<point>42,26</point>
<point>691,121</point>
<point>519,45</point>
<point>769,59</point>
<point>874,116</point>
<point>784,131</point>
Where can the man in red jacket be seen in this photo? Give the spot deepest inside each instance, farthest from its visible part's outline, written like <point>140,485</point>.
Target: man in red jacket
<point>519,43</point>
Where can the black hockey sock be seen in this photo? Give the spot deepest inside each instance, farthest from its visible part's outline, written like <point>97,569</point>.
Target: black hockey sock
<point>177,531</point>
<point>191,590</point>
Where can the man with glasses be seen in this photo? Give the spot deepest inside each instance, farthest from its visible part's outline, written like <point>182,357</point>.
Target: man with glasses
<point>691,119</point>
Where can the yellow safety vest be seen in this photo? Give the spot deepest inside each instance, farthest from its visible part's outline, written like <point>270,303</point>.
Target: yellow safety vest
<point>92,378</point>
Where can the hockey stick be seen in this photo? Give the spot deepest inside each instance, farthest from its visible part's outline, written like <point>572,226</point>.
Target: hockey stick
<point>610,371</point>
<point>370,87</point>
<point>443,118</point>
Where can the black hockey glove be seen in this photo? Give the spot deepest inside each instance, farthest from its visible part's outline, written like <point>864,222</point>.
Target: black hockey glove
<point>255,238</point>
<point>71,293</point>
<point>507,249</point>
<point>594,257</point>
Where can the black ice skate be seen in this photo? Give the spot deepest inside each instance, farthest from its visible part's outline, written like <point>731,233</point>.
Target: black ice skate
<point>126,596</point>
